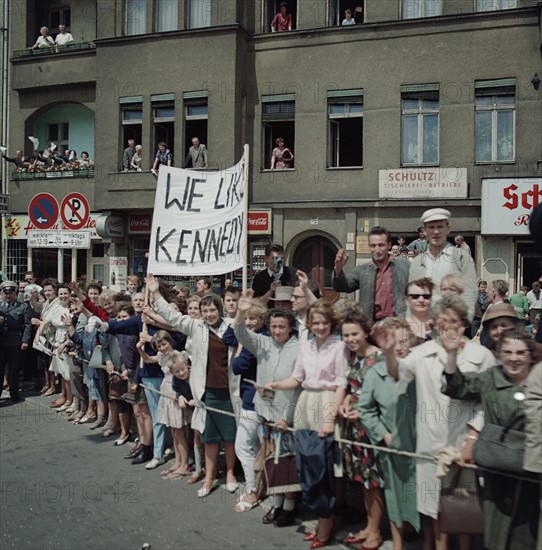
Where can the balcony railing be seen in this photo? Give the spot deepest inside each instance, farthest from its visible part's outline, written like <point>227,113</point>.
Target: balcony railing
<point>41,175</point>
<point>54,50</point>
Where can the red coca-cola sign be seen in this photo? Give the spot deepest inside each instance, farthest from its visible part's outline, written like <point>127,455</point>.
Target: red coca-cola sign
<point>259,222</point>
<point>140,223</point>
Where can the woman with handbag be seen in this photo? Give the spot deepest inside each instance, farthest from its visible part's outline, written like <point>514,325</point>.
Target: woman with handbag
<point>276,354</point>
<point>440,421</point>
<point>510,506</point>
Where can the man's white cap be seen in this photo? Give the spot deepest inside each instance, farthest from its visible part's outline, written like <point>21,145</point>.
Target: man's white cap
<point>435,214</point>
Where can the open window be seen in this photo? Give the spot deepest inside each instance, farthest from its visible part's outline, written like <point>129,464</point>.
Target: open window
<point>59,17</point>
<point>131,114</point>
<point>196,118</point>
<point>59,134</point>
<point>345,134</point>
<point>272,7</point>
<point>163,119</point>
<point>278,121</point>
<point>337,9</point>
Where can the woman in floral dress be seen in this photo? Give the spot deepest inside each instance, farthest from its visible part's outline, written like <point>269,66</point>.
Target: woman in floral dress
<point>361,464</point>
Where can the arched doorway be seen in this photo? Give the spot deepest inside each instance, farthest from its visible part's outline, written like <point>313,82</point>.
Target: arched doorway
<point>315,255</point>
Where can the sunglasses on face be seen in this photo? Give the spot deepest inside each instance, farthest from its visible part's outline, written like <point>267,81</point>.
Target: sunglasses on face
<point>417,296</point>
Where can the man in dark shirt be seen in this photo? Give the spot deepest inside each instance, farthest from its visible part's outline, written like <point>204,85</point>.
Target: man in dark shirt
<point>15,335</point>
<point>265,282</point>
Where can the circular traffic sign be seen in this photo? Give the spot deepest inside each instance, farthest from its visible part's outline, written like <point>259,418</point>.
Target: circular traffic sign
<point>43,210</point>
<point>74,211</point>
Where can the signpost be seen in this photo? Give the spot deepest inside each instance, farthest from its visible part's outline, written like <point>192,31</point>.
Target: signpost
<point>43,210</point>
<point>58,239</point>
<point>4,204</point>
<point>74,211</point>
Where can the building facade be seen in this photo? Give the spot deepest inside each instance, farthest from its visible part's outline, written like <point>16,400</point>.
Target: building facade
<point>421,103</point>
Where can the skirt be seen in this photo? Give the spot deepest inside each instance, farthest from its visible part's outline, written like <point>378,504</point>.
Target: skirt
<point>97,387</point>
<point>169,412</point>
<point>219,428</point>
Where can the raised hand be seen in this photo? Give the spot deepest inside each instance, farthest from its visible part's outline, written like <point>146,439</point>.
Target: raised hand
<point>152,283</point>
<point>302,277</point>
<point>245,301</point>
<point>66,319</point>
<point>74,287</point>
<point>385,338</point>
<point>340,260</point>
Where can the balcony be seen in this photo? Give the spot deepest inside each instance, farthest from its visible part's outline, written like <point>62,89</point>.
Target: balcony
<point>25,185</point>
<point>58,66</point>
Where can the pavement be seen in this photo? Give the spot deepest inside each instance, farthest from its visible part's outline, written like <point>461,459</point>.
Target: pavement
<point>66,487</point>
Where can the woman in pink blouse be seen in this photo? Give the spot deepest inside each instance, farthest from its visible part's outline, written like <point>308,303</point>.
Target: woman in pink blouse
<point>283,20</point>
<point>320,370</point>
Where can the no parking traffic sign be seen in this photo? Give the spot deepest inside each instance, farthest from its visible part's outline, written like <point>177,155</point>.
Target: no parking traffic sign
<point>74,211</point>
<point>43,210</point>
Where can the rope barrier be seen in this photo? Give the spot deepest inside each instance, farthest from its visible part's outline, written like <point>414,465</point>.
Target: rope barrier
<point>378,448</point>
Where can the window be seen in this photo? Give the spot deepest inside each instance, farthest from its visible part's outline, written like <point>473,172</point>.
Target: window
<point>199,14</point>
<point>163,117</point>
<point>345,137</point>
<point>420,124</point>
<point>495,120</point>
<point>131,110</point>
<point>338,7</point>
<point>59,134</point>
<point>278,120</point>
<point>493,5</point>
<point>59,17</point>
<point>413,9</point>
<point>272,7</point>
<point>136,17</point>
<point>196,118</point>
<point>166,15</point>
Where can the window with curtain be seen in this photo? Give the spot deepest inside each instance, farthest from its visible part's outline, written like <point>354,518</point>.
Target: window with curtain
<point>494,5</point>
<point>413,9</point>
<point>136,16</point>
<point>495,121</point>
<point>420,124</point>
<point>278,120</point>
<point>166,15</point>
<point>199,14</point>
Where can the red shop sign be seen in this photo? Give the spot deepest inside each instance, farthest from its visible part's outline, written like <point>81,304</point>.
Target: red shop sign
<point>140,223</point>
<point>259,222</point>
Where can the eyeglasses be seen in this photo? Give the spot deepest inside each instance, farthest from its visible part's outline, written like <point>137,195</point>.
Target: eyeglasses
<point>417,296</point>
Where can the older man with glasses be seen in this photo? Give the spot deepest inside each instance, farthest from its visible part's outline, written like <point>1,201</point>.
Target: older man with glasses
<point>15,335</point>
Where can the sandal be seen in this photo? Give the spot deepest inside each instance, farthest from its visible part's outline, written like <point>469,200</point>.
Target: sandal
<point>165,473</point>
<point>88,419</point>
<point>178,474</point>
<point>246,505</point>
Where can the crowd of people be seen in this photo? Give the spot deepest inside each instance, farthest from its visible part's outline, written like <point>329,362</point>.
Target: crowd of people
<point>49,160</point>
<point>386,396</point>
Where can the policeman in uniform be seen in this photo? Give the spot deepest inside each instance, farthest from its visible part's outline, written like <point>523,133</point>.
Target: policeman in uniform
<point>15,334</point>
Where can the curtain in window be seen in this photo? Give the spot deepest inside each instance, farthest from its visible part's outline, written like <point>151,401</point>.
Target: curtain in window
<point>413,9</point>
<point>492,5</point>
<point>505,135</point>
<point>136,16</point>
<point>166,15</point>
<point>199,14</point>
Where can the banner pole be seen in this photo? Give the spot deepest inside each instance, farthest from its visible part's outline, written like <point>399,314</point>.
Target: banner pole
<point>245,207</point>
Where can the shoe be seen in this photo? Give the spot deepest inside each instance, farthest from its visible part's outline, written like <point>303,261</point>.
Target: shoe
<point>109,432</point>
<point>154,463</point>
<point>143,457</point>
<point>122,441</point>
<point>285,518</point>
<point>167,471</point>
<point>245,505</point>
<point>168,452</point>
<point>319,543</point>
<point>63,408</point>
<point>231,487</point>
<point>100,422</point>
<point>272,515</point>
<point>205,491</point>
<point>353,539</point>
<point>72,408</point>
<point>310,536</point>
<point>88,419</point>
<point>57,403</point>
<point>194,478</point>
<point>379,544</point>
<point>50,391</point>
<point>135,454</point>
<point>176,474</point>
<point>45,388</point>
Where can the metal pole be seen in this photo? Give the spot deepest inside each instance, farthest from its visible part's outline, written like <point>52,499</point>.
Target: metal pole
<point>74,264</point>
<point>60,266</point>
<point>245,207</point>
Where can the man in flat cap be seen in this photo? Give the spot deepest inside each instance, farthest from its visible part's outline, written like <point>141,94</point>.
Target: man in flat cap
<point>15,335</point>
<point>442,258</point>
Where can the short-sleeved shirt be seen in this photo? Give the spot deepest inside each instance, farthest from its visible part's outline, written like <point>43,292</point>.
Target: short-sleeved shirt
<point>164,157</point>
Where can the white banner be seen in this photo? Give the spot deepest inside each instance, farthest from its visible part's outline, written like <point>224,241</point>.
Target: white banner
<point>198,222</point>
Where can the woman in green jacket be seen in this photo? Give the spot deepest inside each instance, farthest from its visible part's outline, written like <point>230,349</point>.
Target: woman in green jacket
<point>510,506</point>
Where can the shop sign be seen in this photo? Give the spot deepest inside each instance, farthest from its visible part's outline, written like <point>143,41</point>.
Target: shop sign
<point>507,205</point>
<point>140,223</point>
<point>423,183</point>
<point>109,227</point>
<point>18,227</point>
<point>118,271</point>
<point>259,222</point>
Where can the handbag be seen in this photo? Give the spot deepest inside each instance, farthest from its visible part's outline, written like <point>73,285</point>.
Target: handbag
<point>117,387</point>
<point>460,509</point>
<point>281,472</point>
<point>500,448</point>
<point>96,361</point>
